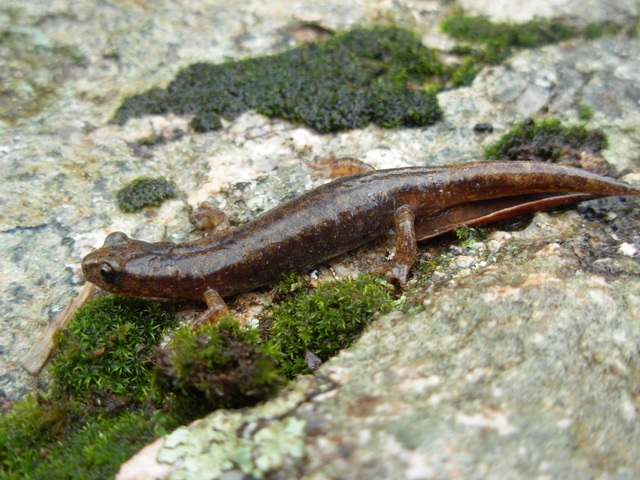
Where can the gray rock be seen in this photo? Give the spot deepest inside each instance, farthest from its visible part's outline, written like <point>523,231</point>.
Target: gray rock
<point>580,12</point>
<point>516,358</point>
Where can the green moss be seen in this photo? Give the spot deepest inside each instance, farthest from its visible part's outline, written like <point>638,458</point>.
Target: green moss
<point>109,347</point>
<point>144,192</point>
<point>381,75</point>
<point>151,140</point>
<point>425,268</point>
<point>585,112</point>
<point>224,365</point>
<point>633,30</point>
<point>490,43</point>
<point>467,236</point>
<point>527,35</point>
<point>348,81</point>
<point>95,414</point>
<point>596,30</point>
<point>546,140</point>
<point>99,410</point>
<point>32,423</point>
<point>42,441</point>
<point>292,285</point>
<point>325,320</point>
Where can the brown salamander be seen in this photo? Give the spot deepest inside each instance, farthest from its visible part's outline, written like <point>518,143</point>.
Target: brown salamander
<point>419,202</point>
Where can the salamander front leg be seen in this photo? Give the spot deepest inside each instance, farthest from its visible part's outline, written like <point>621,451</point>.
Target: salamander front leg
<point>210,219</point>
<point>216,309</point>
<point>406,246</point>
<point>332,167</point>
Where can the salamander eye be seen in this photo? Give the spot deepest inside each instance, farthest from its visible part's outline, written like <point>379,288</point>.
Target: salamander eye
<point>116,238</point>
<point>111,271</point>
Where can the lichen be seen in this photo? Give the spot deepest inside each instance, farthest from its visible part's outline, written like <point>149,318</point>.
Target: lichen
<point>144,192</point>
<point>271,435</point>
<point>33,68</point>
<point>270,446</point>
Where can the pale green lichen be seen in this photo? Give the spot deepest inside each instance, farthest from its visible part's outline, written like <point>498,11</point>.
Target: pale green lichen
<point>270,446</point>
<point>207,448</point>
<point>33,69</point>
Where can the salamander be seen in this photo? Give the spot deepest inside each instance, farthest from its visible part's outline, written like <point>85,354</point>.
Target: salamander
<point>418,202</point>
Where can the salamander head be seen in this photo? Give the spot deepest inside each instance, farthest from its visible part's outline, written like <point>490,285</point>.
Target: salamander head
<point>122,264</point>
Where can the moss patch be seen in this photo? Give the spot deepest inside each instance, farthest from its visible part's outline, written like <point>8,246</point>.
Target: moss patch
<point>96,414</point>
<point>480,30</point>
<point>490,43</point>
<point>89,450</point>
<point>143,193</point>
<point>381,75</point>
<point>585,112</point>
<point>467,236</point>
<point>225,365</point>
<point>358,77</point>
<point>325,320</point>
<point>103,405</point>
<point>109,347</point>
<point>547,140</point>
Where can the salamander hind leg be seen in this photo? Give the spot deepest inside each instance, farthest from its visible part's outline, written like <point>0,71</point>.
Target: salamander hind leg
<point>406,246</point>
<point>216,309</point>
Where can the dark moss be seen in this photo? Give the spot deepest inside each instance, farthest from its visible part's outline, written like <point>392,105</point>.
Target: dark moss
<point>426,267</point>
<point>633,30</point>
<point>108,348</point>
<point>224,365</point>
<point>357,77</point>
<point>205,123</point>
<point>547,140</point>
<point>324,320</point>
<point>144,192</point>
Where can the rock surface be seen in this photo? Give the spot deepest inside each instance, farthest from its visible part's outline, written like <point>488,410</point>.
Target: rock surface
<point>516,358</point>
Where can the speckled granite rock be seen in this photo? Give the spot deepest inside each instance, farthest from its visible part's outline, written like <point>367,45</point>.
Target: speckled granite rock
<point>579,11</point>
<point>519,356</point>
